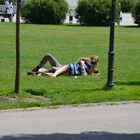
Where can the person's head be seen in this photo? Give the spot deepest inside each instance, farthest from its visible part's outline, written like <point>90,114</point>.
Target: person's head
<point>94,59</point>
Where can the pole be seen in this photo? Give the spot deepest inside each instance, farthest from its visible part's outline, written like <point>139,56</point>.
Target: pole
<point>17,77</point>
<point>110,82</point>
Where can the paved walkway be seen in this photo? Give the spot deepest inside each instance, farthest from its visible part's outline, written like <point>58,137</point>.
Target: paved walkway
<point>116,122</point>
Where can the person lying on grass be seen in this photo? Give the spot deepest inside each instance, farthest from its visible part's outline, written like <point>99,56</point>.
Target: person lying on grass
<point>83,66</point>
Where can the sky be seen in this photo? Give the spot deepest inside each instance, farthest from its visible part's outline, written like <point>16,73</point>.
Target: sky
<point>72,2</point>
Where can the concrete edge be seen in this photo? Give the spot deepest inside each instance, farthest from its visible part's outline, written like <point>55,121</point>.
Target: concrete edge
<point>72,106</point>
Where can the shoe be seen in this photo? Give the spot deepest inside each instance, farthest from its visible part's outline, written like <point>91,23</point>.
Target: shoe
<point>32,73</point>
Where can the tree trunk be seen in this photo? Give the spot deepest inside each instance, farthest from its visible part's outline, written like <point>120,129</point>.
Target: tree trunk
<point>17,77</point>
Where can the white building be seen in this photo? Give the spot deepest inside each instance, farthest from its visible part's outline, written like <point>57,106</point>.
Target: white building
<point>127,19</point>
<point>72,5</point>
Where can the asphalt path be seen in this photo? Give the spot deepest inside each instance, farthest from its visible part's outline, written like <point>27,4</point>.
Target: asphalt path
<point>109,122</point>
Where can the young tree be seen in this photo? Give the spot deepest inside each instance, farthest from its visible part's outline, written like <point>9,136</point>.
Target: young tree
<point>17,77</point>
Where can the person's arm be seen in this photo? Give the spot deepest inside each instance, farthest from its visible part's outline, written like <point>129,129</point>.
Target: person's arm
<point>93,70</point>
<point>82,67</point>
<point>82,59</point>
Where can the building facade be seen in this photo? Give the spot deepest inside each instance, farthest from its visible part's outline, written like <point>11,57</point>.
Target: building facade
<point>70,17</point>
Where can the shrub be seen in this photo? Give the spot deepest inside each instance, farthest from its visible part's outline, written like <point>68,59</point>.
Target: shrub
<point>95,12</point>
<point>136,13</point>
<point>45,11</point>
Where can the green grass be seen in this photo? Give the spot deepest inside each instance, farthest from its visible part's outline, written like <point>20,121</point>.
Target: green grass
<point>68,43</point>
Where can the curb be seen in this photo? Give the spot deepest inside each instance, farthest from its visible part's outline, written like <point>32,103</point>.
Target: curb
<point>72,106</point>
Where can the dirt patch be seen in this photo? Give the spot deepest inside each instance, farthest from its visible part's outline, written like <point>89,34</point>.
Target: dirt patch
<point>6,100</point>
<point>36,99</point>
<point>16,99</point>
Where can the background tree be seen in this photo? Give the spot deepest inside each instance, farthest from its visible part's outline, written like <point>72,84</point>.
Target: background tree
<point>136,13</point>
<point>95,12</point>
<point>127,5</point>
<point>2,2</point>
<point>45,11</point>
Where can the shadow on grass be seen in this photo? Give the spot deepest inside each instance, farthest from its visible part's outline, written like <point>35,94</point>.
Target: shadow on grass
<point>79,25</point>
<point>81,136</point>
<point>136,83</point>
<point>43,92</point>
<point>34,92</point>
<point>131,26</point>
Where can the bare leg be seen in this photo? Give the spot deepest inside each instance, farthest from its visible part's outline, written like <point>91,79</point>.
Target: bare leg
<point>62,70</point>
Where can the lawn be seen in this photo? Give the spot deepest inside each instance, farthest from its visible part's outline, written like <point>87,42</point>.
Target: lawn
<point>68,43</point>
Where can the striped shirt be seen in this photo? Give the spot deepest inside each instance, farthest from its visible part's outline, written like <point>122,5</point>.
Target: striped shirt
<point>87,66</point>
<point>75,69</point>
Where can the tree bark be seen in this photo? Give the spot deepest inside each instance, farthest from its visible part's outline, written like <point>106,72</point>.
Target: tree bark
<point>17,76</point>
